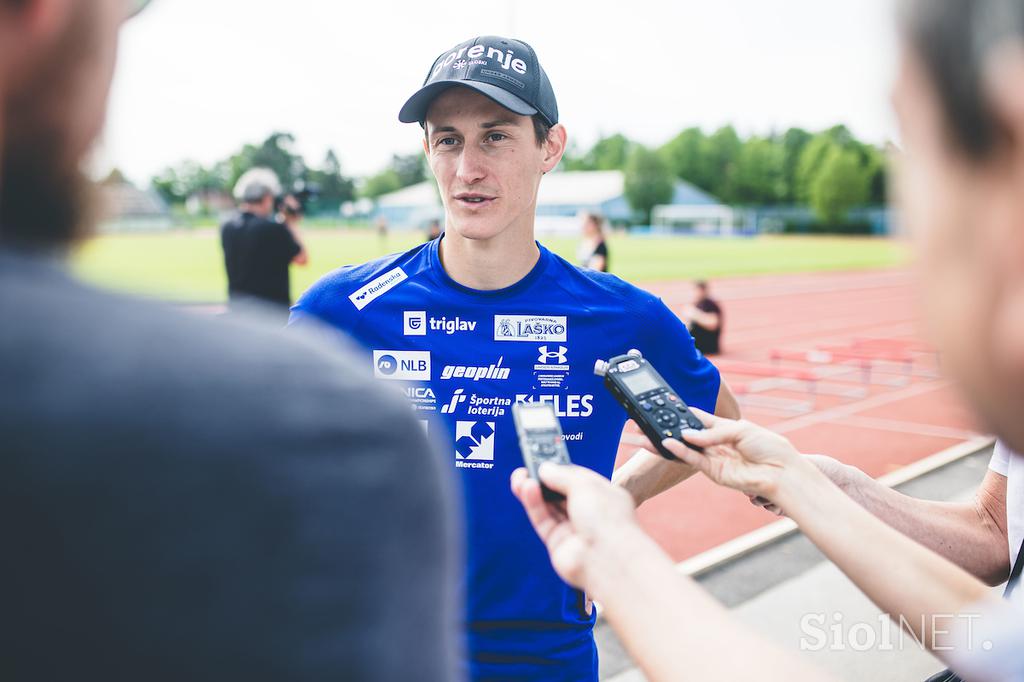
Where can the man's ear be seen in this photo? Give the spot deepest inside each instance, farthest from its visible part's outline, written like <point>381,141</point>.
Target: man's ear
<point>554,147</point>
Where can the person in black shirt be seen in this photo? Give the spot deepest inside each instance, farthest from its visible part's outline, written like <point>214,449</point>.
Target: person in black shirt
<point>705,317</point>
<point>258,250</point>
<point>593,251</point>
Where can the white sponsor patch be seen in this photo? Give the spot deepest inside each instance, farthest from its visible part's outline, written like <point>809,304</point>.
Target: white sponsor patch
<point>415,323</point>
<point>377,288</point>
<point>402,365</point>
<point>529,328</point>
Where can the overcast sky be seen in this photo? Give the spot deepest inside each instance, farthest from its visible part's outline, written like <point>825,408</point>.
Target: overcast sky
<point>198,78</point>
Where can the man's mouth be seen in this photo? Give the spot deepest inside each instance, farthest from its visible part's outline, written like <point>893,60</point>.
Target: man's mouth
<point>473,199</point>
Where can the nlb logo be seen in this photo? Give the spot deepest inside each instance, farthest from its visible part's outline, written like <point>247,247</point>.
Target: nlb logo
<point>529,328</point>
<point>474,445</point>
<point>476,54</point>
<point>402,365</point>
<point>377,288</point>
<point>490,372</point>
<point>565,405</point>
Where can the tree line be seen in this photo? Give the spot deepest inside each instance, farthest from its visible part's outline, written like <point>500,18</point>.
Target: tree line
<point>831,171</point>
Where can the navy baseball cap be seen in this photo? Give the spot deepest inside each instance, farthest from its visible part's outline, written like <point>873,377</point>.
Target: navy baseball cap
<point>504,69</point>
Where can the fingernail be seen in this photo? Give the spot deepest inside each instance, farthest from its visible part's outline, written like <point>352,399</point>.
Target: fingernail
<point>689,432</point>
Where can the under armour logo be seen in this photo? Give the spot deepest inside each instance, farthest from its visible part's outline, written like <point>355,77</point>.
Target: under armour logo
<point>559,355</point>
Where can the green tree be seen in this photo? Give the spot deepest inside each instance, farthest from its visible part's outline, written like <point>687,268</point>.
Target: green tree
<point>793,142</point>
<point>608,153</point>
<point>410,169</point>
<point>684,156</point>
<point>333,188</point>
<point>381,183</point>
<point>274,153</point>
<point>720,153</point>
<point>176,184</point>
<point>758,172</point>
<point>841,183</point>
<point>648,181</point>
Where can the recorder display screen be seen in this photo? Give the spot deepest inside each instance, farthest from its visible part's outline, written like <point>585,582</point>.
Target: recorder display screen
<point>640,381</point>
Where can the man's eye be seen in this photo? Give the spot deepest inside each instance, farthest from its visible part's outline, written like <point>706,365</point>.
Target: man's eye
<point>447,141</point>
<point>496,137</point>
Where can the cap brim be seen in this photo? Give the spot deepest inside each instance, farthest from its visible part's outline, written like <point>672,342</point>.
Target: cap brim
<point>415,109</point>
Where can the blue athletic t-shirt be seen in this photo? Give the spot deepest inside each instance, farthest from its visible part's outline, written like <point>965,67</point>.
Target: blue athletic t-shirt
<point>463,357</point>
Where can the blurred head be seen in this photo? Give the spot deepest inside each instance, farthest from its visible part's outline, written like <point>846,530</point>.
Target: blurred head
<point>593,226</point>
<point>959,95</point>
<point>56,63</point>
<point>255,191</point>
<point>700,289</point>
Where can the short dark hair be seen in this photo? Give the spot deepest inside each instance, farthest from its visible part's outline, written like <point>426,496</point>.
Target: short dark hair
<point>541,128</point>
<point>953,38</point>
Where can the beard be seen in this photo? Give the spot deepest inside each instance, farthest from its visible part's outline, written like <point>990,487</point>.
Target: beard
<point>45,199</point>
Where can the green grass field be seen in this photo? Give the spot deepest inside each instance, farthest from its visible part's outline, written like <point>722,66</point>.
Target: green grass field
<point>188,265</point>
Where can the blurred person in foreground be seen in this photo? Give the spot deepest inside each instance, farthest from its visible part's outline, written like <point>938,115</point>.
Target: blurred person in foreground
<point>258,249</point>
<point>184,498</point>
<point>593,250</point>
<point>705,320</point>
<point>959,95</point>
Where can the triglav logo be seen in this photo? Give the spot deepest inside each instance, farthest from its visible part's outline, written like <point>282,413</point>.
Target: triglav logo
<point>490,372</point>
<point>478,406</point>
<point>476,54</point>
<point>403,365</point>
<point>529,328</point>
<point>377,288</point>
<point>415,323</point>
<point>474,445</point>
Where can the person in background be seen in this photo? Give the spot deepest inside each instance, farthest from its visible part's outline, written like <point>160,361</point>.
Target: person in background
<point>257,249</point>
<point>593,250</point>
<point>705,320</point>
<point>184,498</point>
<point>434,230</point>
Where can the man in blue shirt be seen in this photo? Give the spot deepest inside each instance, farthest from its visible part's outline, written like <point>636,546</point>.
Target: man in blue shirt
<point>484,316</point>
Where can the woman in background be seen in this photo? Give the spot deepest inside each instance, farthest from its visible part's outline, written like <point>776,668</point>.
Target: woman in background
<point>593,251</point>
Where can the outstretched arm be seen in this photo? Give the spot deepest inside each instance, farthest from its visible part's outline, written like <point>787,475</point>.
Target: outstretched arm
<point>669,625</point>
<point>648,474</point>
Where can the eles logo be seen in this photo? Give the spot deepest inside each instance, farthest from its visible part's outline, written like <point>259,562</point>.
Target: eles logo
<point>402,365</point>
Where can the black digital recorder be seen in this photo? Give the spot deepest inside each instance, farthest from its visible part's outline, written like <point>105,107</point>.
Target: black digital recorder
<point>540,439</point>
<point>648,399</point>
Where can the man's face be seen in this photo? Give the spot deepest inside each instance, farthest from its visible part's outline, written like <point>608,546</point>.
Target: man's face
<point>487,163</point>
<point>964,217</point>
<point>54,106</point>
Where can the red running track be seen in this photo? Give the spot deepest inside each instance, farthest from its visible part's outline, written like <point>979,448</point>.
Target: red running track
<point>896,419</point>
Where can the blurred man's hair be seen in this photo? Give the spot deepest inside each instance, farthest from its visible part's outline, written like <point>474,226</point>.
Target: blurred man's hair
<point>255,185</point>
<point>953,39</point>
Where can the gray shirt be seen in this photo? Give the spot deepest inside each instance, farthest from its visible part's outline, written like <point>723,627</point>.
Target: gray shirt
<point>185,498</point>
